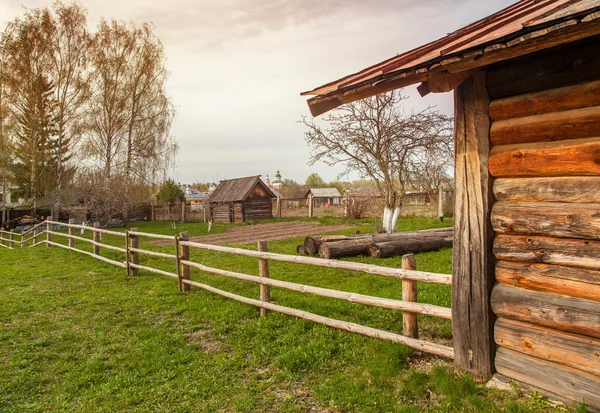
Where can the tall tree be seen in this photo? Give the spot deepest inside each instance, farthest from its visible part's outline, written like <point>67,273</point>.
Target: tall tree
<point>375,138</point>
<point>314,180</point>
<point>6,130</point>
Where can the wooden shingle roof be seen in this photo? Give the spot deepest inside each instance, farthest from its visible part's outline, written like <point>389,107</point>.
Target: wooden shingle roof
<point>233,190</point>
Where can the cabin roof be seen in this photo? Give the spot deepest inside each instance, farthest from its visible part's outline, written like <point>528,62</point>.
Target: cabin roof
<point>522,28</point>
<point>232,190</point>
<point>324,192</point>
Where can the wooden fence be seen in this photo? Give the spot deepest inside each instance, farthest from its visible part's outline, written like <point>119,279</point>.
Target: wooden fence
<point>181,257</point>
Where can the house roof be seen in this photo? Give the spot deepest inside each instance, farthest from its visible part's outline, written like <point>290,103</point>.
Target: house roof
<point>232,190</point>
<point>522,28</point>
<point>324,192</point>
<point>193,194</point>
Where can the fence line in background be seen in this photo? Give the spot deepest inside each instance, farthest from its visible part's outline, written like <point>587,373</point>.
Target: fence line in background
<point>407,274</point>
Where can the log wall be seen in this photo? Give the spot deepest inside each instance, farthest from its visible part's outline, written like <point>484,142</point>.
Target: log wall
<point>545,161</point>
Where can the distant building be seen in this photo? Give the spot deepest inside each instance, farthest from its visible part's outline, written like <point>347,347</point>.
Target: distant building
<point>242,199</point>
<point>324,196</point>
<point>193,196</point>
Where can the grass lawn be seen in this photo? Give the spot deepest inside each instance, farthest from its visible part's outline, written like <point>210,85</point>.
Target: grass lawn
<point>77,335</point>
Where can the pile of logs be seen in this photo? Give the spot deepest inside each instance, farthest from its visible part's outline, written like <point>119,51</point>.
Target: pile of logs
<point>377,245</point>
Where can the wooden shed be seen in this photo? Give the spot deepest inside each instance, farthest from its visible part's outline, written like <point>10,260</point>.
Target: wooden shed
<point>526,259</point>
<point>324,196</point>
<point>242,199</point>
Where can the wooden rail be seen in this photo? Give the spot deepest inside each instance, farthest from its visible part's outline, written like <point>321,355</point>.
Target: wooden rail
<point>408,274</point>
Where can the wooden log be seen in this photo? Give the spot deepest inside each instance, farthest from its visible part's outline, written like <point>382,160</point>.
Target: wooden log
<point>558,126</point>
<point>312,244</point>
<point>556,279</point>
<point>580,352</point>
<point>565,381</point>
<point>578,63</point>
<point>547,101</point>
<point>562,251</point>
<point>408,246</point>
<point>410,327</point>
<point>568,158</point>
<point>300,250</point>
<point>582,189</point>
<point>348,248</point>
<point>263,272</point>
<point>563,313</point>
<point>472,263</point>
<point>554,219</point>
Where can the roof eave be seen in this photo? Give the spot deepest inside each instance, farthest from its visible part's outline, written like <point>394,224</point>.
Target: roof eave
<point>463,64</point>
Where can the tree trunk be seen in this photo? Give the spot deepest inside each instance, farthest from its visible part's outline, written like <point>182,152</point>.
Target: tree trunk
<point>350,248</point>
<point>390,219</point>
<point>407,245</point>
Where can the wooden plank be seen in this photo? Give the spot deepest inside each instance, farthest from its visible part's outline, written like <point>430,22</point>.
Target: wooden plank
<point>567,158</point>
<point>568,382</point>
<point>549,250</point>
<point>547,101</point>
<point>571,124</point>
<point>563,313</point>
<point>579,352</point>
<point>574,282</point>
<point>582,189</point>
<point>569,65</point>
<point>472,263</point>
<point>554,219</point>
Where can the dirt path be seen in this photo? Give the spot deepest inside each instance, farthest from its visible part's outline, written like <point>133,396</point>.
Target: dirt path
<point>250,234</point>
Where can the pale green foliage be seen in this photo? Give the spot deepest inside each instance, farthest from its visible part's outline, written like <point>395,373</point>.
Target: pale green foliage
<point>170,193</point>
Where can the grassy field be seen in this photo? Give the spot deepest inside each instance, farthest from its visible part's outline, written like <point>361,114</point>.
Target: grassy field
<point>78,335</point>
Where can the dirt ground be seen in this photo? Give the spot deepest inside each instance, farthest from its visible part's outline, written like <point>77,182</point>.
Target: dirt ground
<point>251,234</point>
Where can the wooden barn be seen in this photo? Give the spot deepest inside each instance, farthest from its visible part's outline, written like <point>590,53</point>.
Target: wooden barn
<point>526,259</point>
<point>242,199</point>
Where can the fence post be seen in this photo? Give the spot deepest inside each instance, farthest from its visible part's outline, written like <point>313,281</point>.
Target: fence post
<point>35,235</point>
<point>310,205</point>
<point>127,259</point>
<point>441,203</point>
<point>185,256</point>
<point>263,271</point>
<point>135,243</point>
<point>48,235</point>
<point>278,208</point>
<point>12,239</point>
<point>96,239</point>
<point>183,211</point>
<point>409,293</point>
<point>71,240</point>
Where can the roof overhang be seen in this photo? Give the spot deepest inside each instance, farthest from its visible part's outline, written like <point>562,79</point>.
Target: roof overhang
<point>440,66</point>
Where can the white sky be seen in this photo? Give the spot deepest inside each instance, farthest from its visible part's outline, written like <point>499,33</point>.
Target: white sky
<point>238,66</point>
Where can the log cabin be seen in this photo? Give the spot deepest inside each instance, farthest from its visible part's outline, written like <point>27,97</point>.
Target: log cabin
<point>526,257</point>
<point>242,199</point>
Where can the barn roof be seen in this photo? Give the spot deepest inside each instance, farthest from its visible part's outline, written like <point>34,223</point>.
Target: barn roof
<point>522,28</point>
<point>232,190</point>
<point>324,192</point>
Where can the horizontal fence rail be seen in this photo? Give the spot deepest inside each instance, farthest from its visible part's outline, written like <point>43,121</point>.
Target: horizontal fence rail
<point>132,252</point>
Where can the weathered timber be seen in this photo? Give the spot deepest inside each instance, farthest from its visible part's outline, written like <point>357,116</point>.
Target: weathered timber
<point>184,271</point>
<point>312,244</point>
<point>568,382</point>
<point>557,279</point>
<point>572,64</point>
<point>549,250</point>
<point>472,261</point>
<point>563,313</point>
<point>580,352</point>
<point>349,248</point>
<point>301,250</point>
<point>547,101</point>
<point>433,348</point>
<point>555,219</point>
<point>410,326</point>
<point>408,245</point>
<point>263,271</point>
<point>571,124</point>
<point>581,189</point>
<point>568,158</point>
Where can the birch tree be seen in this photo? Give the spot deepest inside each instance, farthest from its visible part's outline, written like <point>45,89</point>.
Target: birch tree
<point>375,138</point>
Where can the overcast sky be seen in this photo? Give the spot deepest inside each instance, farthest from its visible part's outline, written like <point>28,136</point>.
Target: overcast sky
<point>238,66</point>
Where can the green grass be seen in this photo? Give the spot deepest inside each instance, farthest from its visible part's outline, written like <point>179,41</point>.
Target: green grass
<point>78,335</point>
